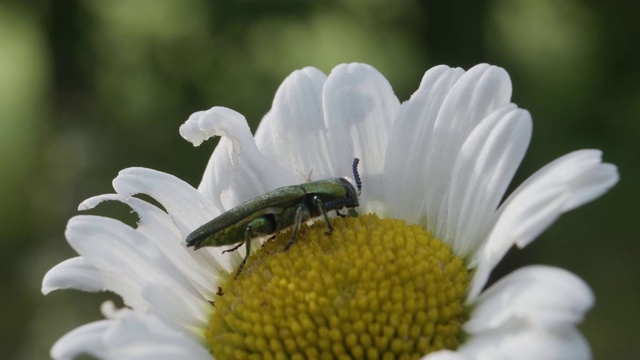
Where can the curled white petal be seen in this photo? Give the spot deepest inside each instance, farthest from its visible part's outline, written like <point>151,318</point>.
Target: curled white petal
<point>237,170</point>
<point>191,130</point>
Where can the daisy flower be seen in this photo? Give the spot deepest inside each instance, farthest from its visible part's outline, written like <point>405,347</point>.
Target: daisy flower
<point>404,279</point>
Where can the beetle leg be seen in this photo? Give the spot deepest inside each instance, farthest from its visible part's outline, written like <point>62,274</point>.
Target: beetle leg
<point>247,240</point>
<point>340,214</point>
<point>233,249</point>
<point>263,225</point>
<point>320,205</point>
<point>297,220</point>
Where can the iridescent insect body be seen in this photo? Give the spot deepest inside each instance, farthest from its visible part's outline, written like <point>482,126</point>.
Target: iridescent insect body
<point>277,210</point>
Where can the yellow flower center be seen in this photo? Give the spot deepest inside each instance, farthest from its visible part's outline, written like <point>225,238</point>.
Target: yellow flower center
<point>374,288</point>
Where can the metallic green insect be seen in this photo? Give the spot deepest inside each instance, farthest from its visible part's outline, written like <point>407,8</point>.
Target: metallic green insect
<point>277,210</point>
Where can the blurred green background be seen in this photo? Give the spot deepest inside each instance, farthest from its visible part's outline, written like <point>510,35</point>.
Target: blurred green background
<point>90,87</point>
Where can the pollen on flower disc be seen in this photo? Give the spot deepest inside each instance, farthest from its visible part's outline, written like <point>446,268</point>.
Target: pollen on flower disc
<point>374,288</point>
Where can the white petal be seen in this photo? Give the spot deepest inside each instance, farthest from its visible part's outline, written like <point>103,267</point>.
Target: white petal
<point>186,206</point>
<point>201,268</point>
<point>117,249</point>
<point>560,186</point>
<point>479,92</point>
<point>570,181</point>
<point>410,141</point>
<point>445,355</point>
<point>293,134</point>
<point>191,130</point>
<point>521,343</point>
<point>132,336</point>
<point>540,296</point>
<point>74,273</point>
<point>86,339</point>
<point>237,170</point>
<point>77,273</point>
<point>359,108</point>
<point>484,168</point>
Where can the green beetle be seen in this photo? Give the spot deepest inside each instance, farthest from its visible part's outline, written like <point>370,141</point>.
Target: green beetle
<point>277,210</point>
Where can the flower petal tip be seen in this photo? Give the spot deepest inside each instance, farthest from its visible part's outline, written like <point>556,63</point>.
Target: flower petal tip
<point>191,131</point>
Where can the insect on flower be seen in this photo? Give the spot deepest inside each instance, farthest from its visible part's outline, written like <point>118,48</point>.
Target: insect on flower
<point>277,210</point>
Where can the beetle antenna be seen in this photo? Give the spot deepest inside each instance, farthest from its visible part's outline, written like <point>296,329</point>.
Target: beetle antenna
<point>338,203</point>
<point>356,175</point>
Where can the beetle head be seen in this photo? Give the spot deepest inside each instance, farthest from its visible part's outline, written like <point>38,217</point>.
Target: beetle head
<point>349,200</point>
